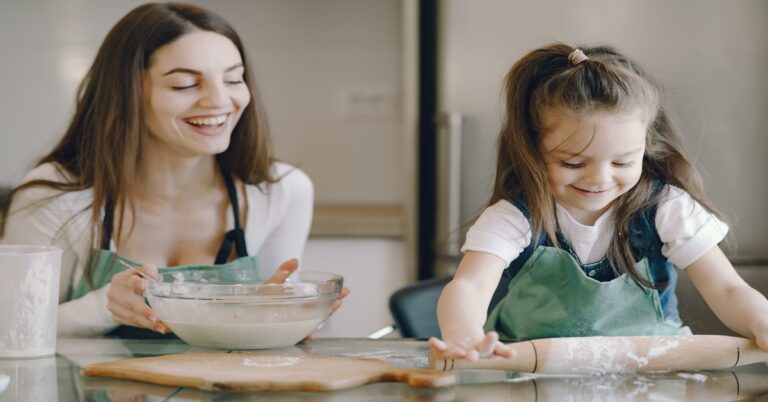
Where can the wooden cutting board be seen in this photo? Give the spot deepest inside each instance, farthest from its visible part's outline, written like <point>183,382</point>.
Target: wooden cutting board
<point>264,372</point>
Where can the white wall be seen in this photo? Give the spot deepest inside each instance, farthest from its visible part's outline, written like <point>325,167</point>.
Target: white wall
<point>372,270</point>
<point>329,72</point>
<point>711,55</point>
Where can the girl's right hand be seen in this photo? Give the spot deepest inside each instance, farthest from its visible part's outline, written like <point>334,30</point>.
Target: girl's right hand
<point>470,349</point>
<point>125,300</point>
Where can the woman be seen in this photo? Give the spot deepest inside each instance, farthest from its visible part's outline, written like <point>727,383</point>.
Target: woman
<point>166,162</point>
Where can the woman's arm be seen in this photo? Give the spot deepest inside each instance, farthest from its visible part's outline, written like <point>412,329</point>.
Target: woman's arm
<point>461,310</point>
<point>736,304</point>
<point>289,207</point>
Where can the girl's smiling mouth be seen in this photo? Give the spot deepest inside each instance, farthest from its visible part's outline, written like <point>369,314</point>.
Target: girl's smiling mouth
<point>590,192</point>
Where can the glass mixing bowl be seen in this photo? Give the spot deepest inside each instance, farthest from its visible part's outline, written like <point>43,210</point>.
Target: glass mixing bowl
<point>212,314</point>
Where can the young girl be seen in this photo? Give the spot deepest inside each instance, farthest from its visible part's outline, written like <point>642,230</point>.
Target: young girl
<point>167,163</point>
<point>594,202</point>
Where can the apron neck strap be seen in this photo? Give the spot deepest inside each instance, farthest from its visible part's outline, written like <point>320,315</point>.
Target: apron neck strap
<point>236,235</point>
<point>107,223</point>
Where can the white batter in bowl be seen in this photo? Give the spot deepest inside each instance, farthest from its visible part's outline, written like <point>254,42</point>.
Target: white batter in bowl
<point>245,316</point>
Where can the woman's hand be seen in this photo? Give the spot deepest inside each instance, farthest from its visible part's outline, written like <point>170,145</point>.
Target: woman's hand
<point>125,299</point>
<point>470,349</point>
<point>283,272</point>
<point>286,269</point>
<point>339,300</point>
<point>336,304</point>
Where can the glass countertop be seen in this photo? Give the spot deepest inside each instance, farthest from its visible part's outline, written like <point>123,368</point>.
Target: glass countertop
<point>58,378</point>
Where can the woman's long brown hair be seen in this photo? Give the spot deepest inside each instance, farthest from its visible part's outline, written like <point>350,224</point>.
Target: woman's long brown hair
<point>607,81</point>
<point>101,147</point>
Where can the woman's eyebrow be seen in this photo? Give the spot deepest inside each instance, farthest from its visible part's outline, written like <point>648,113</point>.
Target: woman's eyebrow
<point>184,70</point>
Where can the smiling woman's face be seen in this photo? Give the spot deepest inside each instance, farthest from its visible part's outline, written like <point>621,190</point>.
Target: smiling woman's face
<point>592,160</point>
<point>195,94</point>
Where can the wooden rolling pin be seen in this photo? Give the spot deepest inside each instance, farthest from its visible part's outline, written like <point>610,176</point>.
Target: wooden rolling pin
<point>599,355</point>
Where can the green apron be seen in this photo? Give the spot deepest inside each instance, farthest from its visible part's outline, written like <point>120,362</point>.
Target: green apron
<point>106,263</point>
<point>552,296</point>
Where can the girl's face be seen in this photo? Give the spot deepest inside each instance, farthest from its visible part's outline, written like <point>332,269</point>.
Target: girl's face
<point>592,160</point>
<point>195,94</point>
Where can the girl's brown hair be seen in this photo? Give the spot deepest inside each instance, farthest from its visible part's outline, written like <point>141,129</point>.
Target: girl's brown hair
<point>101,147</point>
<point>606,81</point>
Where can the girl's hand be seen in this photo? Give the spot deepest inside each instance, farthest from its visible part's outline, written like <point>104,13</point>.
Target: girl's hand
<point>125,300</point>
<point>760,332</point>
<point>470,349</point>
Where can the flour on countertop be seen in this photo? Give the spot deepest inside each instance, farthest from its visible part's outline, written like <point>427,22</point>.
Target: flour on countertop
<point>693,376</point>
<point>663,347</point>
<point>271,361</point>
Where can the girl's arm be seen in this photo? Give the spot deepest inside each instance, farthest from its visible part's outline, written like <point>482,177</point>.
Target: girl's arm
<point>461,310</point>
<point>736,304</point>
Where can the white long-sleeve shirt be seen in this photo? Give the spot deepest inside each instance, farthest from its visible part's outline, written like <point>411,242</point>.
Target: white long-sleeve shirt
<point>276,229</point>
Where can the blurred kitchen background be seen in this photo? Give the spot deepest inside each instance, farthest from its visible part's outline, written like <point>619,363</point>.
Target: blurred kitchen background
<point>392,108</point>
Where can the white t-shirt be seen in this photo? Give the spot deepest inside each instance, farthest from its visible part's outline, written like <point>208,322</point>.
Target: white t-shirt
<point>686,229</point>
<point>276,230</point>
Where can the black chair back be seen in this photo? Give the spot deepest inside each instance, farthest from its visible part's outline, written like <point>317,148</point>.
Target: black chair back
<point>414,307</point>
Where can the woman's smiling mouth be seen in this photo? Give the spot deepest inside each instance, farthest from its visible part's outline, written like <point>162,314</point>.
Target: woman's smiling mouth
<point>209,124</point>
<point>207,121</point>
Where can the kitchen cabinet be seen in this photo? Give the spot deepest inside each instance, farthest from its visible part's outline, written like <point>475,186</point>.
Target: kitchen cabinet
<point>373,268</point>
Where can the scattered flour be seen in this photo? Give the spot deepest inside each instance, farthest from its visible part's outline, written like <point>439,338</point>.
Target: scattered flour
<point>271,361</point>
<point>693,376</point>
<point>602,355</point>
<point>595,356</point>
<point>662,347</point>
<point>641,361</point>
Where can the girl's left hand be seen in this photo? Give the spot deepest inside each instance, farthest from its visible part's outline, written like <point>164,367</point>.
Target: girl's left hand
<point>470,348</point>
<point>760,332</point>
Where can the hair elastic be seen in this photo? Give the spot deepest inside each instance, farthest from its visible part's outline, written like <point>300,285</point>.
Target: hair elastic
<point>577,56</point>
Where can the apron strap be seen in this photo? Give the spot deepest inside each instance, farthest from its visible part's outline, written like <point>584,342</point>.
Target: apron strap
<point>236,235</point>
<point>107,224</point>
<point>643,238</point>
